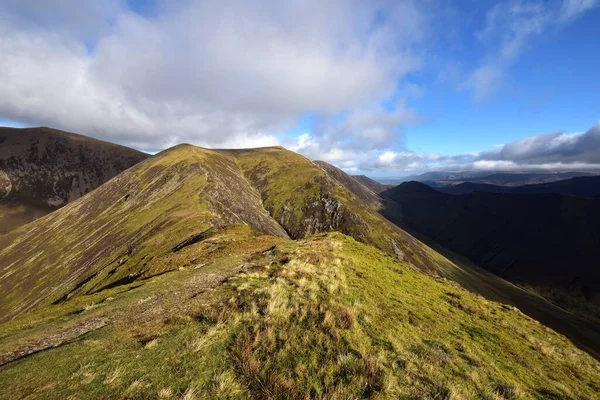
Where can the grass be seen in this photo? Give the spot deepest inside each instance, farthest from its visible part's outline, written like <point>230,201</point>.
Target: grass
<point>125,228</point>
<point>324,317</point>
<point>288,183</point>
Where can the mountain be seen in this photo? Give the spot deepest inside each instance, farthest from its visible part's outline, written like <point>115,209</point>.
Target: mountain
<point>42,169</point>
<point>584,186</point>
<point>372,184</point>
<point>355,186</point>
<point>433,176</point>
<point>499,178</point>
<point>508,179</point>
<point>258,274</point>
<point>549,241</point>
<point>131,227</point>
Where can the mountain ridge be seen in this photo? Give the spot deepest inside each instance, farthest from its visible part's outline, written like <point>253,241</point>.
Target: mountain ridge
<point>584,186</point>
<point>257,273</point>
<point>169,191</point>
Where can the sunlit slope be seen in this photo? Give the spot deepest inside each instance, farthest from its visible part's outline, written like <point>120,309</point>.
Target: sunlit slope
<point>135,225</point>
<point>351,183</point>
<point>322,317</point>
<point>306,199</point>
<point>124,230</point>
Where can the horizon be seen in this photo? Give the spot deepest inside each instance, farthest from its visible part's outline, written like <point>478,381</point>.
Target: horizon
<point>386,90</point>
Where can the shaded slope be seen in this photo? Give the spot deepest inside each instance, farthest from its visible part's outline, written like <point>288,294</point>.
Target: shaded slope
<point>539,239</point>
<point>42,169</point>
<point>325,317</point>
<point>372,184</point>
<point>470,187</point>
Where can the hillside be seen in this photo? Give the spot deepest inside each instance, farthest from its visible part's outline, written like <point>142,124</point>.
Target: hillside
<point>354,185</point>
<point>323,317</point>
<point>372,184</point>
<point>520,237</point>
<point>139,223</point>
<point>584,186</point>
<point>257,274</point>
<point>42,169</point>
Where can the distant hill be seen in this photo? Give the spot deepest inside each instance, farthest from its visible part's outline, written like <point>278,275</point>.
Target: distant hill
<point>42,169</point>
<point>372,184</point>
<point>584,186</point>
<point>499,178</point>
<point>514,178</point>
<point>539,239</point>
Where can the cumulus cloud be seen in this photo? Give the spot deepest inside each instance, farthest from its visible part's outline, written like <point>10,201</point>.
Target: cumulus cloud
<point>240,73</point>
<point>552,148</point>
<point>552,151</point>
<point>211,73</point>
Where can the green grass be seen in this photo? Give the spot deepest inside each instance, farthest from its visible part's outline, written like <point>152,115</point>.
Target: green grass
<point>324,317</point>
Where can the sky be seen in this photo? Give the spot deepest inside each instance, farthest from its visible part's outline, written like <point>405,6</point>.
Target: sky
<point>384,88</point>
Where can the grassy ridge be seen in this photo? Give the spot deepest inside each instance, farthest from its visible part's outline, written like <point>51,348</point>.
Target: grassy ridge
<point>121,231</point>
<point>324,317</point>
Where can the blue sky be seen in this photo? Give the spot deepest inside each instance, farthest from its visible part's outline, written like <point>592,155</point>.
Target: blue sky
<point>384,88</point>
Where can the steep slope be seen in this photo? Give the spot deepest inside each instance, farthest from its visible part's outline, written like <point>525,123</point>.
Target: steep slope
<point>324,317</point>
<point>584,186</point>
<point>585,333</point>
<point>42,169</point>
<point>128,228</point>
<point>539,239</point>
<point>349,182</point>
<point>372,184</point>
<point>139,223</point>
<point>305,199</point>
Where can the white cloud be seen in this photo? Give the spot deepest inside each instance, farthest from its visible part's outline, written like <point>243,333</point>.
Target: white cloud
<point>553,151</point>
<point>204,72</point>
<point>565,148</point>
<point>573,8</point>
<point>484,82</point>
